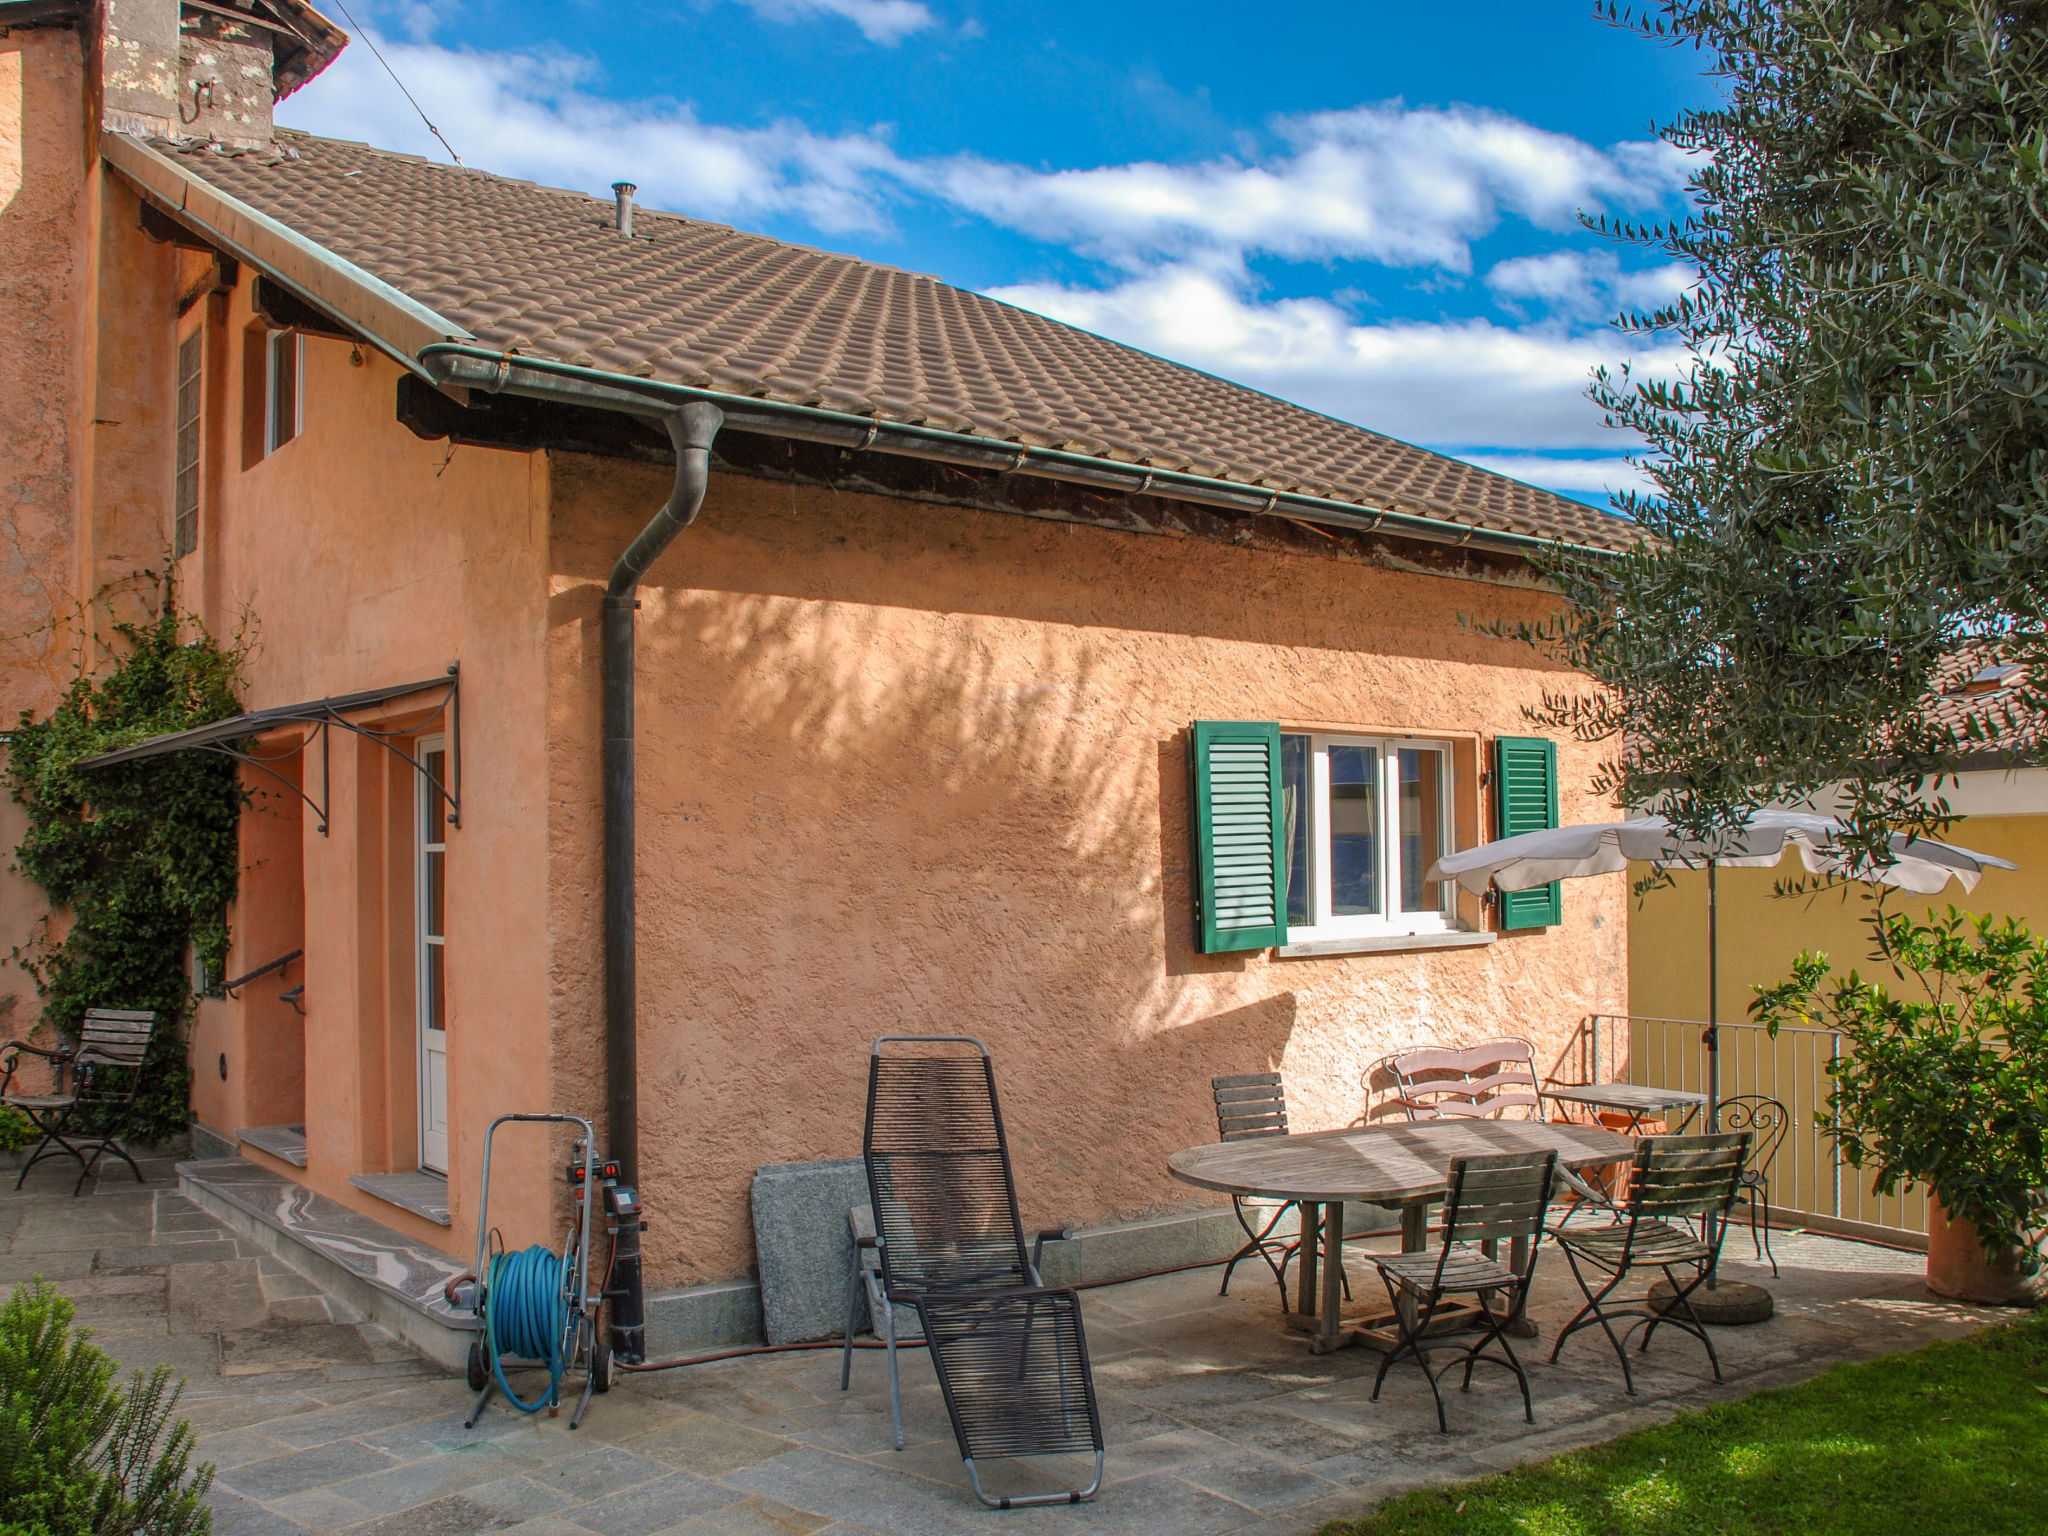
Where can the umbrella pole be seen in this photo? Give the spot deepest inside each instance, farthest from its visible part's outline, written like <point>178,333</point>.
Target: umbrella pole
<point>1738,1301</point>
<point>1713,1002</point>
<point>1713,1032</point>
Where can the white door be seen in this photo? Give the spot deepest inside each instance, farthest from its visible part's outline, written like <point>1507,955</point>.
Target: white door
<point>430,883</point>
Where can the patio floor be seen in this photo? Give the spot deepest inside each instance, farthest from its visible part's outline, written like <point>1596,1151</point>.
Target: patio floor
<point>1217,1419</point>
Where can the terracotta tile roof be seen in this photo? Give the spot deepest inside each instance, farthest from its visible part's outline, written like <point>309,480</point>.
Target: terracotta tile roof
<point>1984,684</point>
<point>542,271</point>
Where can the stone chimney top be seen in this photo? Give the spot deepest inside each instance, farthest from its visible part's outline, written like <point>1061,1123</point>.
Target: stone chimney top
<point>209,70</point>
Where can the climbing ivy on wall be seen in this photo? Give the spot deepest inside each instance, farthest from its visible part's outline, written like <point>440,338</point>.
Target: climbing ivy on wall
<point>143,856</point>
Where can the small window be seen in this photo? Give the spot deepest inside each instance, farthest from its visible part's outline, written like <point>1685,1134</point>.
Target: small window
<point>185,495</point>
<point>1362,821</point>
<point>284,396</point>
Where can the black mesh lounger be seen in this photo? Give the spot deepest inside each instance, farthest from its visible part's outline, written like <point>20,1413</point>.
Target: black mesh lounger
<point>1013,1366</point>
<point>940,1187</point>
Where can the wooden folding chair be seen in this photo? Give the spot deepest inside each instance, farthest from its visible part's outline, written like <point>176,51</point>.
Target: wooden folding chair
<point>1674,1181</point>
<point>1493,1081</point>
<point>105,1070</point>
<point>1490,1198</point>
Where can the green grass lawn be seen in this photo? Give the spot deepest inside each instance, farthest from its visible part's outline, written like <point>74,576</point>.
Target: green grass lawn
<point>1951,1440</point>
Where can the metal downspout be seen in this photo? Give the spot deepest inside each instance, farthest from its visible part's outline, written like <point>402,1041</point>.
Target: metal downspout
<point>691,430</point>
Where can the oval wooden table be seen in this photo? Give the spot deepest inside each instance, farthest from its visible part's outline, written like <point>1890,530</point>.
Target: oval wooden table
<point>1407,1165</point>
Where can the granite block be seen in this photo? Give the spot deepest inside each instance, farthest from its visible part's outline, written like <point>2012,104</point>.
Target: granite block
<point>703,1317</point>
<point>802,1246</point>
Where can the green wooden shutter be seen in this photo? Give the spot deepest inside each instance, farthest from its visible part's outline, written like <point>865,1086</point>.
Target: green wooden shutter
<point>1239,875</point>
<point>1525,800</point>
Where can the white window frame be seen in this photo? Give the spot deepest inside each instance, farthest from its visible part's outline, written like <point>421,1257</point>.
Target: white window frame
<point>430,835</point>
<point>1323,923</point>
<point>274,344</point>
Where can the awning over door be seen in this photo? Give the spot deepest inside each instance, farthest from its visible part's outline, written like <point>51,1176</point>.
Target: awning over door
<point>227,737</point>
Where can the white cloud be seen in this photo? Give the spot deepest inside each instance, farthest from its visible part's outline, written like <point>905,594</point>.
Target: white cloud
<point>1470,382</point>
<point>1587,284</point>
<point>886,22</point>
<point>1572,476</point>
<point>533,114</point>
<point>1380,183</point>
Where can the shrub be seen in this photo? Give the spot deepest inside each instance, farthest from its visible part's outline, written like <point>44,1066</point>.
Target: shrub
<point>1951,1092</point>
<point>15,1130</point>
<point>144,855</point>
<point>79,1456</point>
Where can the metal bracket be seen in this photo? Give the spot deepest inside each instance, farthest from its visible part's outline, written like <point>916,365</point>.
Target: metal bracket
<point>322,717</point>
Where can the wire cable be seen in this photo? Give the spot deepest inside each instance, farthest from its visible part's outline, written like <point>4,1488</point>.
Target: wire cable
<point>370,43</point>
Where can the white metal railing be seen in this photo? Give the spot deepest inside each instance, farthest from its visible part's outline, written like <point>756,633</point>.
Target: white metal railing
<point>1808,1176</point>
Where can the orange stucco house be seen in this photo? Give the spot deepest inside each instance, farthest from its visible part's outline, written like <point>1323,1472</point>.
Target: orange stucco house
<point>900,723</point>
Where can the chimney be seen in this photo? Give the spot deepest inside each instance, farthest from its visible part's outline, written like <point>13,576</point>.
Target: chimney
<point>212,72</point>
<point>622,218</point>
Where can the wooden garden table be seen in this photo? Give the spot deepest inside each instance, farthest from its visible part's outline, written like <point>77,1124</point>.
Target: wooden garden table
<point>1406,1165</point>
<point>1636,1100</point>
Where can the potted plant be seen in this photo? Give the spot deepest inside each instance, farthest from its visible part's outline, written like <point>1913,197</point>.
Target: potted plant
<point>1943,1082</point>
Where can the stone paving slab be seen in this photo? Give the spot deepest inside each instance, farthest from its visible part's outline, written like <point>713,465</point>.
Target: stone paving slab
<point>1218,1420</point>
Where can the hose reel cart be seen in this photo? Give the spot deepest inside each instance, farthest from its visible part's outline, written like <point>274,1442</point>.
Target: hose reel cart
<point>537,1305</point>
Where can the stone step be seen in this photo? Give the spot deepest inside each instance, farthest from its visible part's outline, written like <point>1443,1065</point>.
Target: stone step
<point>286,1142</point>
<point>388,1277</point>
<point>424,1194</point>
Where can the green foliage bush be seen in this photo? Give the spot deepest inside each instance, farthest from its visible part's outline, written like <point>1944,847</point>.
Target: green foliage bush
<point>79,1456</point>
<point>143,855</point>
<point>1951,1092</point>
<point>15,1130</point>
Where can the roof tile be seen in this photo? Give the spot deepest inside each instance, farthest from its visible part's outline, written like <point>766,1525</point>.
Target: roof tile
<point>703,305</point>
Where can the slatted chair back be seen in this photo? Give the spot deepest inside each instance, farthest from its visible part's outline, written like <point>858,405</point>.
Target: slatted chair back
<point>1480,1082</point>
<point>1687,1176</point>
<point>938,1166</point>
<point>114,1037</point>
<point>1250,1106</point>
<point>1499,1197</point>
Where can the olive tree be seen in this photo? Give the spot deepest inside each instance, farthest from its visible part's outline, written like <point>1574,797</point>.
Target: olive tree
<point>1850,478</point>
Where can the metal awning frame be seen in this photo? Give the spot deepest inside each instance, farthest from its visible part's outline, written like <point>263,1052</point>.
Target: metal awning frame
<point>321,715</point>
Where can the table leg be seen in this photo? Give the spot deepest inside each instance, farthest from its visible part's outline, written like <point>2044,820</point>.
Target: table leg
<point>1311,1234</point>
<point>1328,1335</point>
<point>1415,1226</point>
<point>1518,1326</point>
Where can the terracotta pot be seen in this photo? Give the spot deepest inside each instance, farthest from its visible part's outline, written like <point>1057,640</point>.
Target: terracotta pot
<point>1958,1267</point>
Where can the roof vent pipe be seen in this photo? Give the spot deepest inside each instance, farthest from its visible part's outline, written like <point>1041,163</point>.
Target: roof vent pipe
<point>622,220</point>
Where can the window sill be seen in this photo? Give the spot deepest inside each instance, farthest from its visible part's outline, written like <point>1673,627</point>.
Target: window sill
<point>1382,944</point>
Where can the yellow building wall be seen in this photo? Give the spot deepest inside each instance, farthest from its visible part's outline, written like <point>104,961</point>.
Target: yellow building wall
<point>1762,933</point>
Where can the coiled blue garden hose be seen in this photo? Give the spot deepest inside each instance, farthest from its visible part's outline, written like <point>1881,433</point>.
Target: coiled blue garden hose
<point>527,1313</point>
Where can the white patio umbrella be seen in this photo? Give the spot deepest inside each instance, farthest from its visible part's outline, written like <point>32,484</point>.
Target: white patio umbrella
<point>1530,859</point>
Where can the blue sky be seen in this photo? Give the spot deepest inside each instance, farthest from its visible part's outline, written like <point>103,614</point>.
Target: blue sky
<point>1368,208</point>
